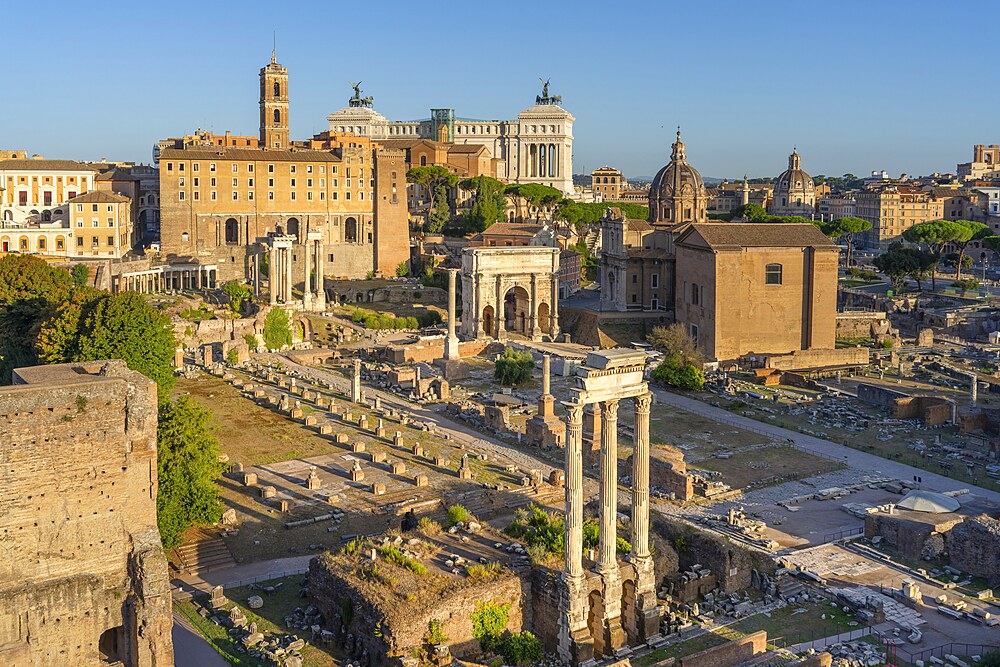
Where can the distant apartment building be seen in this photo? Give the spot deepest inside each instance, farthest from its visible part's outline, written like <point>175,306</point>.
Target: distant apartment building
<point>832,208</point>
<point>101,223</point>
<point>608,183</point>
<point>892,209</point>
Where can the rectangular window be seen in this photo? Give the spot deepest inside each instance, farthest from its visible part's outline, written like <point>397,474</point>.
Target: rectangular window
<point>292,168</point>
<point>213,195</point>
<point>292,182</point>
<point>309,196</point>
<point>333,196</point>
<point>211,167</point>
<point>170,166</point>
<point>270,196</point>
<point>111,222</point>
<point>772,274</point>
<point>336,183</point>
<point>236,195</point>
<point>347,196</point>
<point>309,169</point>
<point>180,182</point>
<point>180,195</point>
<point>197,196</point>
<point>79,241</point>
<point>694,332</point>
<point>293,196</point>
<point>212,182</point>
<point>270,182</point>
<point>236,182</point>
<point>270,168</point>
<point>79,208</point>
<point>249,182</point>
<point>250,195</point>
<point>635,278</point>
<point>322,182</point>
<point>235,168</point>
<point>250,167</point>
<point>322,196</point>
<point>694,294</point>
<point>111,240</point>
<point>309,182</point>
<point>655,280</point>
<point>194,166</point>
<point>180,166</point>
<point>333,169</point>
<point>195,181</point>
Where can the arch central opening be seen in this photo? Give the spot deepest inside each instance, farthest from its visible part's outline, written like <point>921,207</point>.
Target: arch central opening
<point>517,311</point>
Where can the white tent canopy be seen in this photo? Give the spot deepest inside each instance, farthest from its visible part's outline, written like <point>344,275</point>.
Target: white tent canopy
<point>928,501</point>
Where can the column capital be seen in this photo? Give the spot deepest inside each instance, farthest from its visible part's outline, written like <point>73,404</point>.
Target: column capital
<point>610,410</point>
<point>574,413</point>
<point>643,402</point>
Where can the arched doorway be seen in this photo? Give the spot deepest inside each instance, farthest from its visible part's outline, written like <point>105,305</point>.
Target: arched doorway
<point>350,230</point>
<point>489,323</point>
<point>232,231</point>
<point>517,311</point>
<point>543,318</point>
<point>110,645</point>
<point>293,227</point>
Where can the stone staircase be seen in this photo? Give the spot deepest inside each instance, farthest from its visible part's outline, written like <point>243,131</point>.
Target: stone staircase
<point>203,552</point>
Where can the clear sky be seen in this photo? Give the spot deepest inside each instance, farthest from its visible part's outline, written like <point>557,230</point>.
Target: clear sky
<point>857,86</point>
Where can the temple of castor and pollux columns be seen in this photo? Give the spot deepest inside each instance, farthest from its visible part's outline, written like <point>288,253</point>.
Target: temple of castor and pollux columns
<point>615,604</point>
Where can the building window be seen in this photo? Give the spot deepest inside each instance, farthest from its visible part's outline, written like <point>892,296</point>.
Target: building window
<point>236,182</point>
<point>270,168</point>
<point>655,280</point>
<point>635,278</point>
<point>194,166</point>
<point>350,230</point>
<point>694,294</point>
<point>79,241</point>
<point>773,274</point>
<point>694,332</point>
<point>232,231</point>
<point>211,167</point>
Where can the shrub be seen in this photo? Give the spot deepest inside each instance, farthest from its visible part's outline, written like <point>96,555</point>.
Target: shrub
<point>486,572</point>
<point>489,620</point>
<point>238,293</point>
<point>232,357</point>
<point>393,555</point>
<point>687,376</point>
<point>352,548</point>
<point>457,513</point>
<point>435,632</point>
<point>251,342</point>
<point>403,269</point>
<point>513,368</point>
<point>277,332</point>
<point>966,285</point>
<point>80,275</point>
<point>521,649</point>
<point>623,546</point>
<point>429,527</point>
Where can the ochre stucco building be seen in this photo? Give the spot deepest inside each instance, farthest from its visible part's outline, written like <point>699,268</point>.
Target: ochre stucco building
<point>219,197</point>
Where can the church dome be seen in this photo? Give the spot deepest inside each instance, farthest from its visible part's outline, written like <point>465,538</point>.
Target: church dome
<point>794,191</point>
<point>677,193</point>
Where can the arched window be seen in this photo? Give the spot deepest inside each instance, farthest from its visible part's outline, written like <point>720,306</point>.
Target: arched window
<point>293,227</point>
<point>46,216</point>
<point>277,116</point>
<point>232,231</point>
<point>772,274</point>
<point>41,243</point>
<point>351,230</point>
<point>277,89</point>
<point>423,160</point>
<point>8,215</point>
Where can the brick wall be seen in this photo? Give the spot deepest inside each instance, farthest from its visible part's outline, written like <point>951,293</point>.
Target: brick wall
<point>733,653</point>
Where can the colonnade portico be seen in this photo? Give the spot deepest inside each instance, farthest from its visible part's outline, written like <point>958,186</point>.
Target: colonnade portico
<point>166,278</point>
<point>280,248</point>
<point>313,294</point>
<point>590,625</point>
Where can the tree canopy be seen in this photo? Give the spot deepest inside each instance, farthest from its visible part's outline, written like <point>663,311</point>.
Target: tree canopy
<point>682,360</point>
<point>513,367</point>
<point>488,202</point>
<point>277,329</point>
<point>846,228</point>
<point>188,465</point>
<point>30,291</point>
<point>437,180</point>
<point>898,263</point>
<point>979,231</point>
<point>935,235</point>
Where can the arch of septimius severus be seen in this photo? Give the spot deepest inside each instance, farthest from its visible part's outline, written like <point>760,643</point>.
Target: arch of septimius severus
<point>615,603</point>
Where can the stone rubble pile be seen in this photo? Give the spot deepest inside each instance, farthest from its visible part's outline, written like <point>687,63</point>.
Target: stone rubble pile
<point>856,654</point>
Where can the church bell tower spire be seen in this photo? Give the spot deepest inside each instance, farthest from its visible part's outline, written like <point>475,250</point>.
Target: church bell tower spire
<point>274,105</point>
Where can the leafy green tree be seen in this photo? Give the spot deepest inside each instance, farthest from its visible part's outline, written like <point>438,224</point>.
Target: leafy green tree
<point>898,263</point>
<point>677,345</point>
<point>990,659</point>
<point>846,228</point>
<point>488,202</point>
<point>188,465</point>
<point>751,213</point>
<point>30,291</point>
<point>537,196</point>
<point>403,269</point>
<point>952,260</point>
<point>966,285</point>
<point>436,180</point>
<point>238,293</point>
<point>58,339</point>
<point>934,235</point>
<point>440,212</point>
<point>979,231</point>
<point>277,329</point>
<point>512,367</point>
<point>80,275</point>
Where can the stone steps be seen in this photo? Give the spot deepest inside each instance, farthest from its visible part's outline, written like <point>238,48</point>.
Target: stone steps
<point>204,555</point>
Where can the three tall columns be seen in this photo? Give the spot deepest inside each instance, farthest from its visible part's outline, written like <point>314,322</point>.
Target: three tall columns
<point>575,643</point>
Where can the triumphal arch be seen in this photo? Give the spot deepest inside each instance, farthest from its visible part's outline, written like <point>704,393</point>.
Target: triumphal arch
<point>614,604</point>
<point>510,292</point>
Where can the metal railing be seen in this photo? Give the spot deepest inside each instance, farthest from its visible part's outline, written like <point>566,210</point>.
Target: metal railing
<point>269,576</point>
<point>955,648</point>
<point>795,643</point>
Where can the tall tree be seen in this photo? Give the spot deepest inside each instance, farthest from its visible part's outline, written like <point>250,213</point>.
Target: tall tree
<point>846,228</point>
<point>935,235</point>
<point>541,198</point>
<point>432,178</point>
<point>124,326</point>
<point>979,231</point>
<point>488,202</point>
<point>898,263</point>
<point>30,291</point>
<point>188,465</point>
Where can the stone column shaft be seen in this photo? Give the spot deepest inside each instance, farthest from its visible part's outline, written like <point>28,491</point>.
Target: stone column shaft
<point>307,270</point>
<point>546,365</point>
<point>640,478</point>
<point>288,275</point>
<point>272,270</point>
<point>451,343</point>
<point>574,491</point>
<point>609,486</point>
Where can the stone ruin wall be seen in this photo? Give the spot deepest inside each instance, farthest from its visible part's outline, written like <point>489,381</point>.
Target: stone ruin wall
<point>914,539</point>
<point>974,547</point>
<point>731,564</point>
<point>404,627</point>
<point>80,553</point>
<point>729,654</point>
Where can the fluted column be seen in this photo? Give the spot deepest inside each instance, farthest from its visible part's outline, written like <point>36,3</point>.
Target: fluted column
<point>272,277</point>
<point>640,478</point>
<point>307,270</point>
<point>288,275</point>
<point>320,268</point>
<point>451,343</point>
<point>574,491</point>
<point>609,485</point>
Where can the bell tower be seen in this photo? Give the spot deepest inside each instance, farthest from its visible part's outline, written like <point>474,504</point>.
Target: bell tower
<point>274,105</point>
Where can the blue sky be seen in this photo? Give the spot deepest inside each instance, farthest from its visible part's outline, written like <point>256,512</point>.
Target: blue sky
<point>855,85</point>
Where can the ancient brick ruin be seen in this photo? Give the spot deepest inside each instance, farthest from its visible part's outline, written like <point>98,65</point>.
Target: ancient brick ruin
<point>83,578</point>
